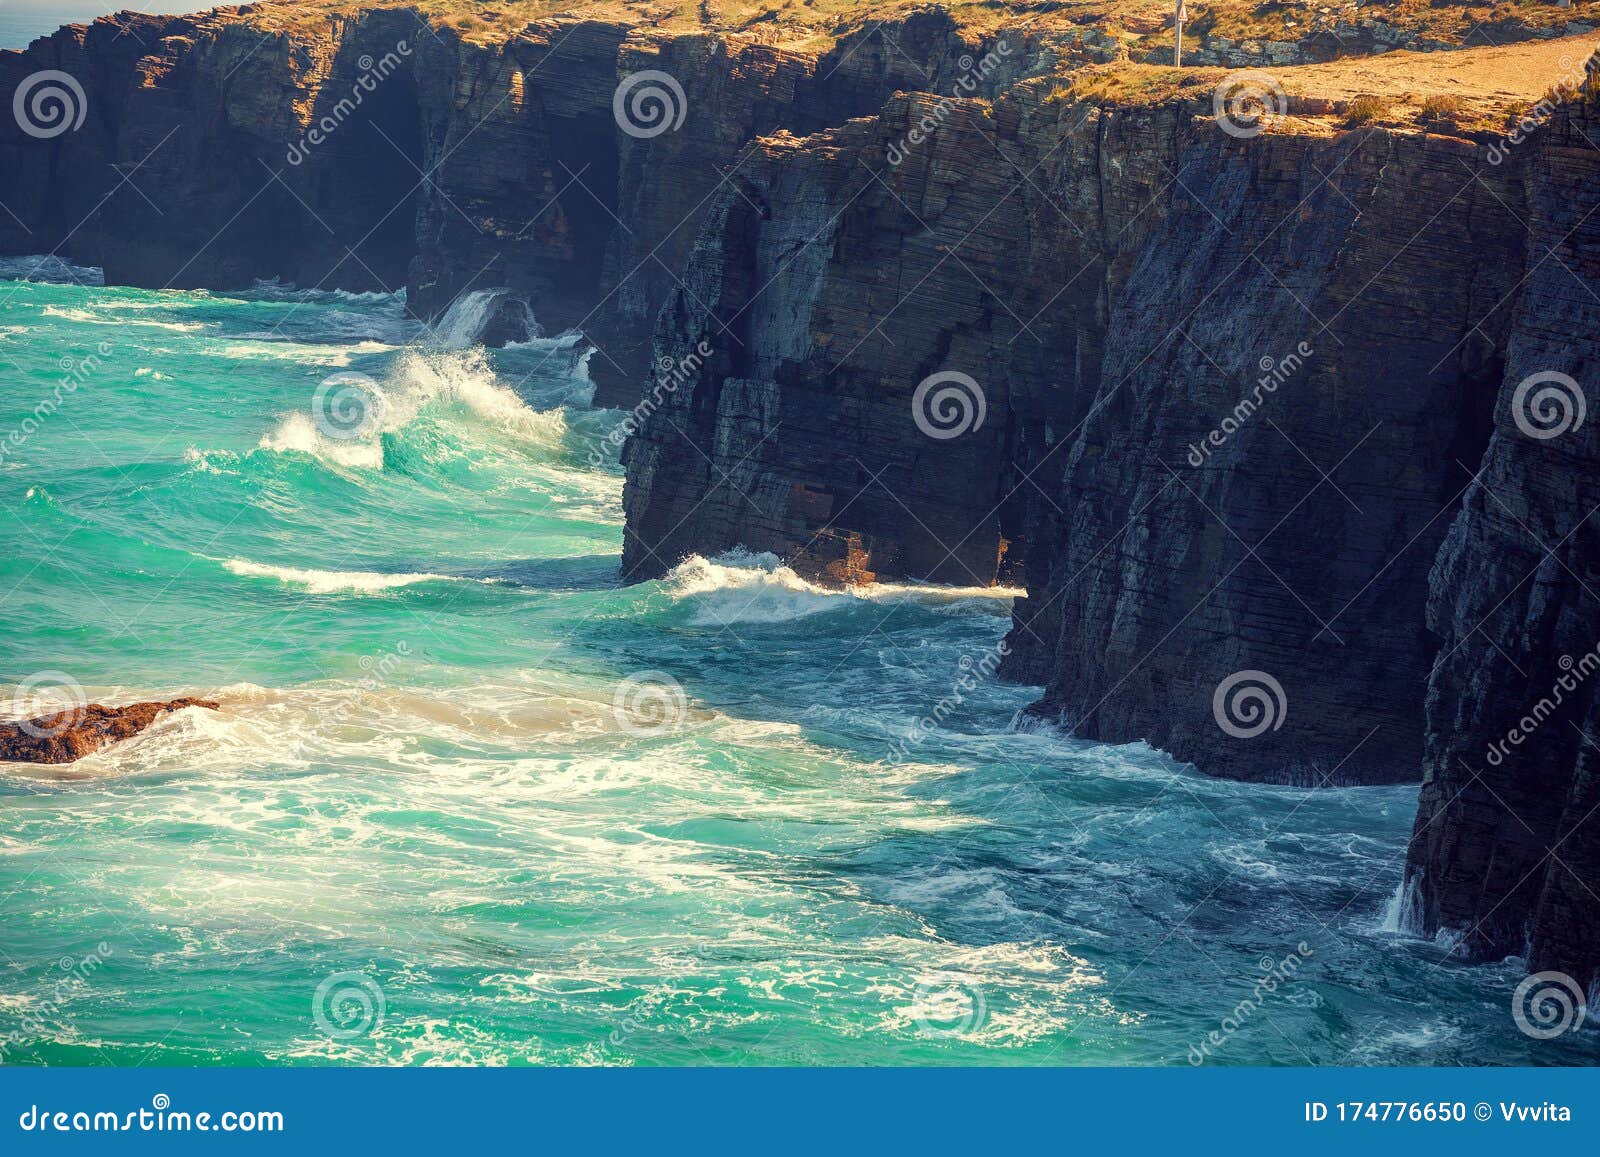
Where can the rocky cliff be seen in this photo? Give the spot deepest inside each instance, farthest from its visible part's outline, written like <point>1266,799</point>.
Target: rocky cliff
<point>1506,850</point>
<point>1112,283</point>
<point>378,149</point>
<point>1233,408</point>
<point>1236,382</point>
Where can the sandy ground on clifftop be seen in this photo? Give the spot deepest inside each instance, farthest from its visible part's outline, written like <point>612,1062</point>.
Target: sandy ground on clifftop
<point>1498,75</point>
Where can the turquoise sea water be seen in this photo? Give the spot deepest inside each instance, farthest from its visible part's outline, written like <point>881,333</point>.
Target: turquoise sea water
<point>468,800</point>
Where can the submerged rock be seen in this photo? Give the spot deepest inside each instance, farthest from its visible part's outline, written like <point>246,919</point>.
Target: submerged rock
<point>72,734</point>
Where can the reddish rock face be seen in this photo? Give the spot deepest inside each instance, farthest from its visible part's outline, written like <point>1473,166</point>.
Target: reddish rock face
<point>70,735</point>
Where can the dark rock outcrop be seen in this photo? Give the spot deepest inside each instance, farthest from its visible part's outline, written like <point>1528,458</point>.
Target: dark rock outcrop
<point>1235,393</point>
<point>380,151</point>
<point>1506,852</point>
<point>72,734</point>
<point>1110,317</point>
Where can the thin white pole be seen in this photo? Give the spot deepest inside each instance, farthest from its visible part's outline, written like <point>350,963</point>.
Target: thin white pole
<point>1178,17</point>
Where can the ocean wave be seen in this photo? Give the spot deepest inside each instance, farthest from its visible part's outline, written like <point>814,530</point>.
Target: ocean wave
<point>275,290</point>
<point>326,582</point>
<point>47,267</point>
<point>420,383</point>
<point>91,317</point>
<point>745,587</point>
<point>272,348</point>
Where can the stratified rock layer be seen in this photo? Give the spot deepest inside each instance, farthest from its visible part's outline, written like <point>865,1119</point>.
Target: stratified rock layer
<point>1506,852</point>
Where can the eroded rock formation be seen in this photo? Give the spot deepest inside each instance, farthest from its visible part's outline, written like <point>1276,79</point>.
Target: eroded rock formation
<point>69,735</point>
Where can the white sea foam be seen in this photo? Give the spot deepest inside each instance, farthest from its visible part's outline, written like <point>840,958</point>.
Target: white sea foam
<point>1402,916</point>
<point>90,317</point>
<point>298,433</point>
<point>742,587</point>
<point>266,347</point>
<point>274,290</point>
<point>466,378</point>
<point>325,582</point>
<point>469,315</point>
<point>420,382</point>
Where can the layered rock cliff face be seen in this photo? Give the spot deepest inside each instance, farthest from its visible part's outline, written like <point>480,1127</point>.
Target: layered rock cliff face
<point>1114,283</point>
<point>1234,396</point>
<point>1506,851</point>
<point>377,151</point>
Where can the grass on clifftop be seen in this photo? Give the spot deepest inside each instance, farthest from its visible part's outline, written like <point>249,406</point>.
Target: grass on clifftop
<point>816,24</point>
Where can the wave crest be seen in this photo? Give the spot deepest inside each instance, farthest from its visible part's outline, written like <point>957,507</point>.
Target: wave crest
<point>747,587</point>
<point>427,383</point>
